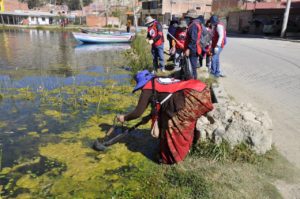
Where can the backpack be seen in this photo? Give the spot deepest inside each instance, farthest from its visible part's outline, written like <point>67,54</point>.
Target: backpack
<point>205,37</point>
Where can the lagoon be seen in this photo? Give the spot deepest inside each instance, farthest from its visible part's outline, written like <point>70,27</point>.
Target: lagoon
<point>57,96</point>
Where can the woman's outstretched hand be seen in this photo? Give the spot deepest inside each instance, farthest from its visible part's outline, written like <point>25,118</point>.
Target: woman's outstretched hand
<point>121,118</point>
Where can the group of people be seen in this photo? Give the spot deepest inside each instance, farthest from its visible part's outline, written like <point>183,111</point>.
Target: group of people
<point>176,104</point>
<point>190,37</point>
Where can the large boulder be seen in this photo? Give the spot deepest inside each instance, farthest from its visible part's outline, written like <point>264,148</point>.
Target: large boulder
<point>236,123</point>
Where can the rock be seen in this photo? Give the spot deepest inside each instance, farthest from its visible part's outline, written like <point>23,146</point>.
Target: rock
<point>236,123</point>
<point>218,134</point>
<point>248,116</point>
<point>220,93</point>
<point>203,120</point>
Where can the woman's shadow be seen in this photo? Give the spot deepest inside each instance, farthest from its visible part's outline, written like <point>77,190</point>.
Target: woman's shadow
<point>136,140</point>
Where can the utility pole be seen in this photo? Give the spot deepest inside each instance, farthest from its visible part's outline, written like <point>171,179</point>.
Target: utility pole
<point>286,18</point>
<point>172,2</point>
<point>80,18</point>
<point>134,15</point>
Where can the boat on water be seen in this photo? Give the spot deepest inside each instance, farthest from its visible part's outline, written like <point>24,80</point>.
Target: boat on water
<point>96,38</point>
<point>103,31</point>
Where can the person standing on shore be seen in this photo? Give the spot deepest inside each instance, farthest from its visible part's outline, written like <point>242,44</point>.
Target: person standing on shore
<point>155,38</point>
<point>218,43</point>
<point>192,44</point>
<point>128,25</point>
<point>205,42</point>
<point>172,30</point>
<point>180,36</point>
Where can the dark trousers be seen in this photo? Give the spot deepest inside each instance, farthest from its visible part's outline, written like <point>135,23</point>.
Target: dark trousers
<point>194,61</point>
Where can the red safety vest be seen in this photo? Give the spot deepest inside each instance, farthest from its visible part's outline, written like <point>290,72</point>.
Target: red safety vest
<point>181,37</point>
<point>216,36</point>
<point>188,38</point>
<point>177,86</point>
<point>153,32</point>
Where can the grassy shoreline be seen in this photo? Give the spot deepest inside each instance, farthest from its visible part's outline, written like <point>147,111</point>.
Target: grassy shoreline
<point>46,27</point>
<point>68,28</point>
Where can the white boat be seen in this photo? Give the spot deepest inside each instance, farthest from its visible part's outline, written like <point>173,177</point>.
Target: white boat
<point>93,38</point>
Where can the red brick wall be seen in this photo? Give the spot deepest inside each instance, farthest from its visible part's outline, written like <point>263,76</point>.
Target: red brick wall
<point>12,5</point>
<point>218,5</point>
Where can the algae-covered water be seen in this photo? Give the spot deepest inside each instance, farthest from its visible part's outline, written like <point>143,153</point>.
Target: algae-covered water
<point>56,98</point>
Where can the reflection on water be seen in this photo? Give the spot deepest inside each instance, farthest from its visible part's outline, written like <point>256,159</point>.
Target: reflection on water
<point>39,52</point>
<point>93,77</point>
<point>42,61</point>
<point>87,48</point>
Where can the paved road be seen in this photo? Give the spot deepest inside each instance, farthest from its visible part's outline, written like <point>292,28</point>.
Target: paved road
<point>266,73</point>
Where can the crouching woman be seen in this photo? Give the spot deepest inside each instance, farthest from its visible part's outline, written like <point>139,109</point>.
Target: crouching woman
<point>181,103</point>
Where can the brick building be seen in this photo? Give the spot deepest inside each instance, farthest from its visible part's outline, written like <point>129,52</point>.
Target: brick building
<point>260,17</point>
<point>164,9</point>
<point>223,7</point>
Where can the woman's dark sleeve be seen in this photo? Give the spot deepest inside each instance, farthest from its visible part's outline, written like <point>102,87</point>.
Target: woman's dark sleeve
<point>159,33</point>
<point>141,107</point>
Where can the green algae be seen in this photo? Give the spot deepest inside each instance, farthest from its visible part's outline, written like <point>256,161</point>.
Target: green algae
<point>24,94</point>
<point>74,170</point>
<point>33,134</point>
<point>3,124</point>
<point>84,166</point>
<point>54,114</point>
<point>21,129</point>
<point>44,130</point>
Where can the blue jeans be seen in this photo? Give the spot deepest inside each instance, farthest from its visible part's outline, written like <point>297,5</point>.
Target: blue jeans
<point>215,63</point>
<point>158,55</point>
<point>194,61</point>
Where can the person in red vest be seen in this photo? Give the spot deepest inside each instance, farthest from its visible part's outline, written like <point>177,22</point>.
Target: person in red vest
<point>181,103</point>
<point>192,45</point>
<point>180,36</point>
<point>155,37</point>
<point>218,43</point>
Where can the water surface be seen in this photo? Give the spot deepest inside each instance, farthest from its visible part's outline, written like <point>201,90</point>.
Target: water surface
<point>36,62</point>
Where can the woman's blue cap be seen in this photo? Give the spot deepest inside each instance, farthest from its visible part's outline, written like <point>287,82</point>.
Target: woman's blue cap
<point>141,79</point>
<point>214,20</point>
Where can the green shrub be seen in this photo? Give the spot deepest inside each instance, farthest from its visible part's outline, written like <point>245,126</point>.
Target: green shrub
<point>139,56</point>
<point>224,151</point>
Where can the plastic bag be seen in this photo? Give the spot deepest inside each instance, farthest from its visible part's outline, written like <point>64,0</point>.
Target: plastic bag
<point>155,129</point>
